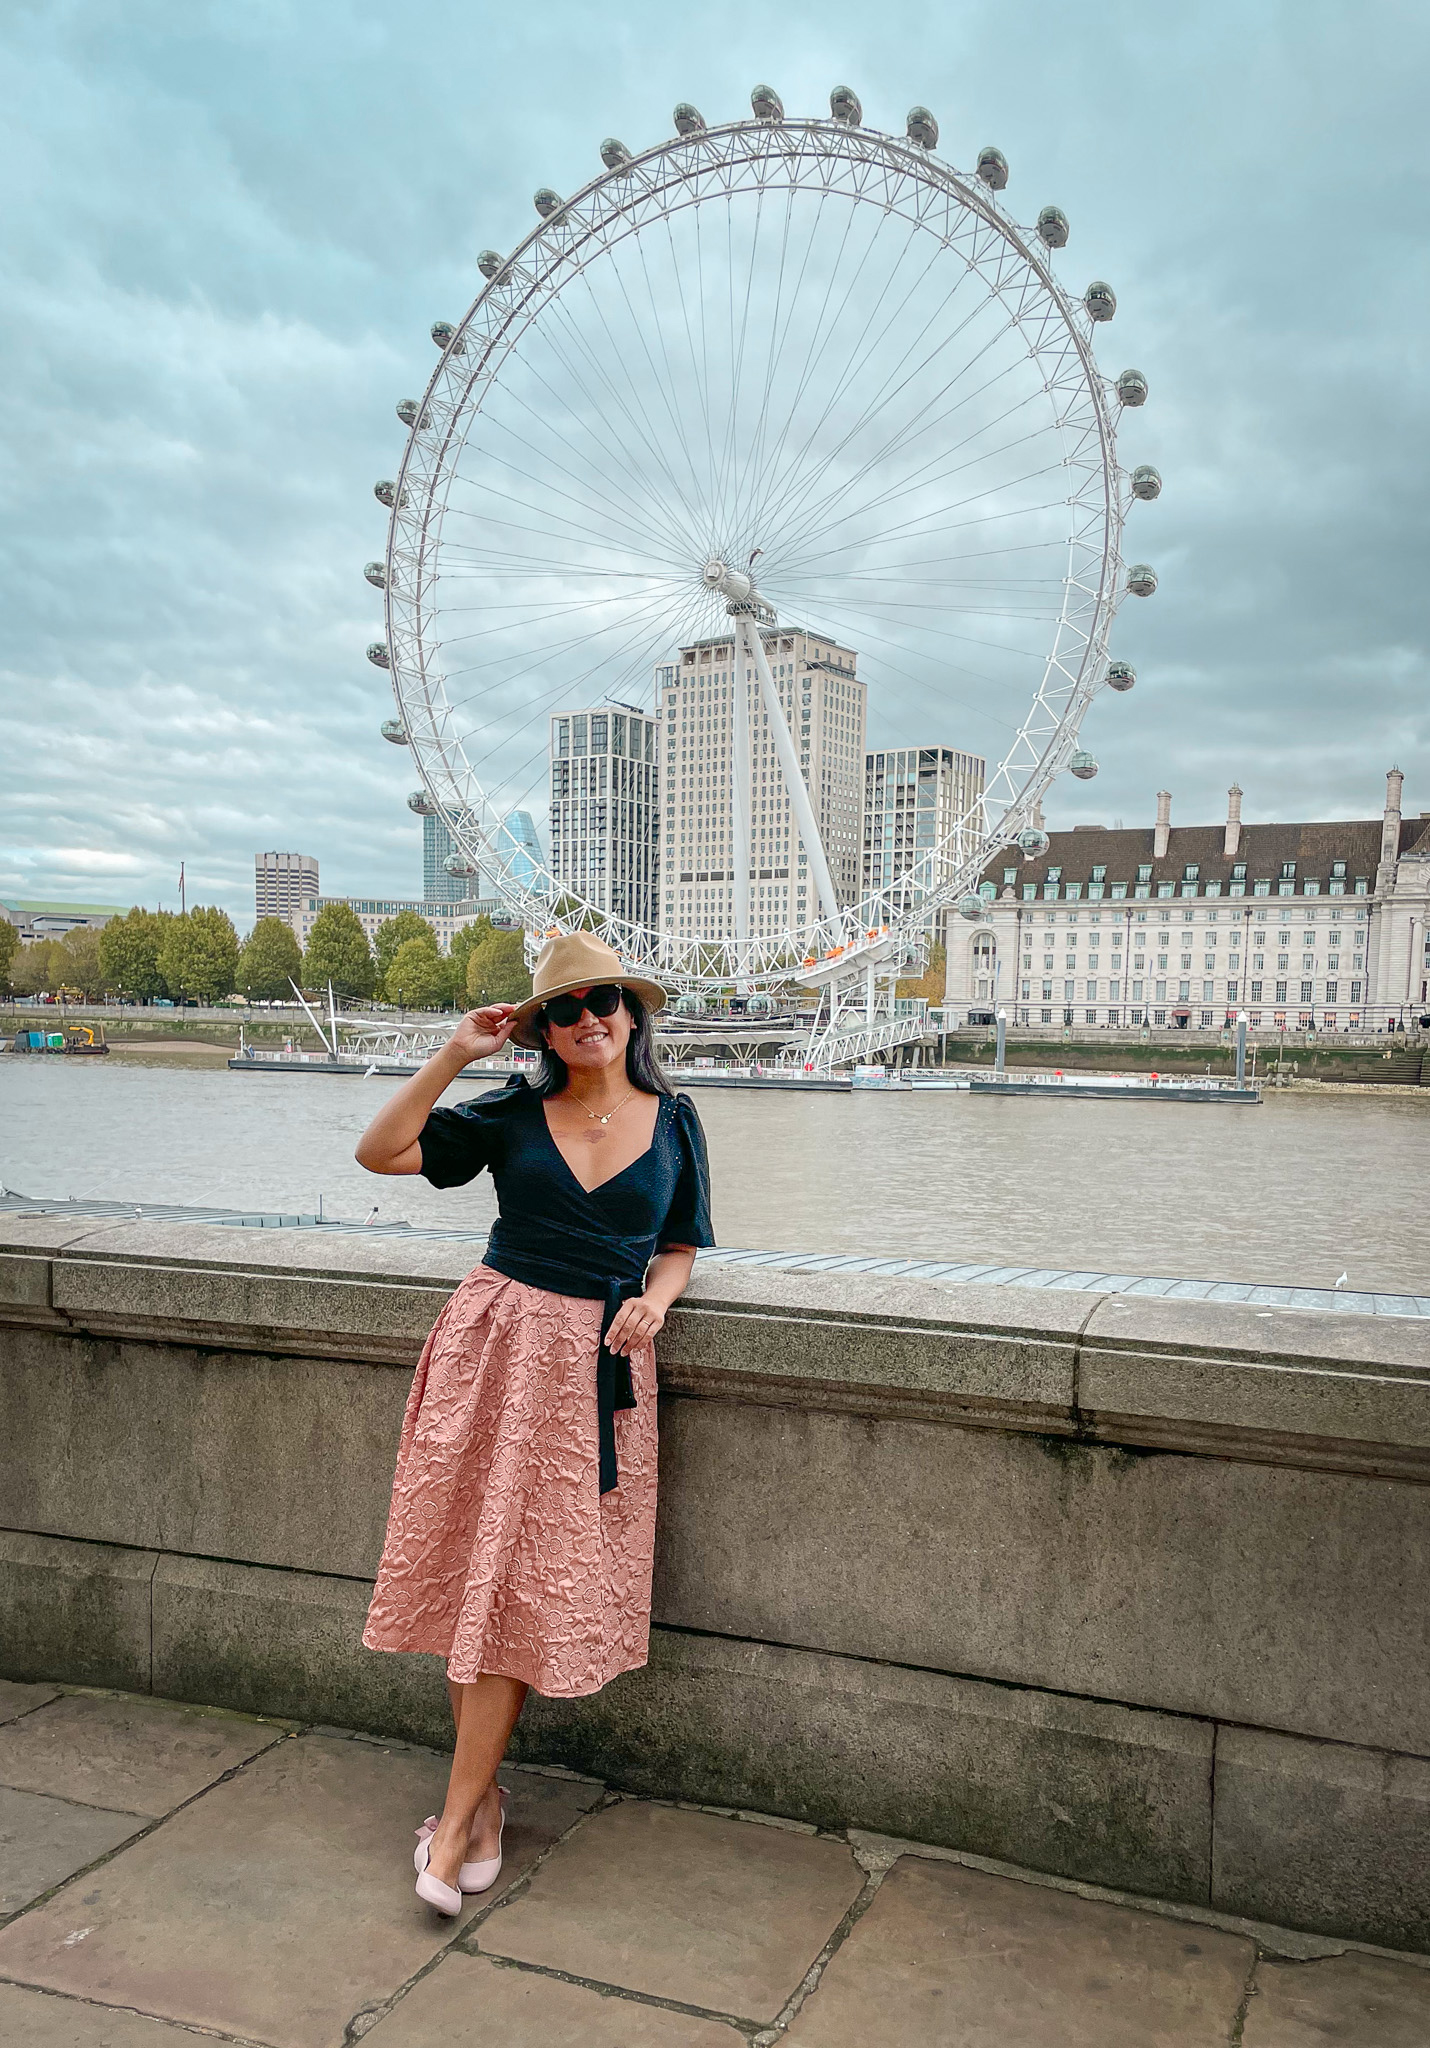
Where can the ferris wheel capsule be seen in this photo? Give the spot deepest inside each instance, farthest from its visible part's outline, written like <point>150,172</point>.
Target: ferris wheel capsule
<point>1053,227</point>
<point>921,127</point>
<point>422,804</point>
<point>547,202</point>
<point>411,414</point>
<point>614,153</point>
<point>971,907</point>
<point>992,168</point>
<point>845,107</point>
<point>1100,300</point>
<point>393,729</point>
<point>376,574</point>
<point>767,104</point>
<point>379,654</point>
<point>386,493</point>
<point>688,120</point>
<point>458,864</point>
<point>446,337</point>
<point>490,264</point>
<point>1121,675</point>
<point>1132,388</point>
<point>1146,482</point>
<point>1141,579</point>
<point>1083,765</point>
<point>1033,842</point>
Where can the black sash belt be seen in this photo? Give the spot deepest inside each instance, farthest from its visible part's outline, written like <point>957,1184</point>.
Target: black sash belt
<point>591,1267</point>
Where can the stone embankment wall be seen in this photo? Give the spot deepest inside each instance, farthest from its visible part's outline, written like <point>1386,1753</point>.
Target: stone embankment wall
<point>1131,1590</point>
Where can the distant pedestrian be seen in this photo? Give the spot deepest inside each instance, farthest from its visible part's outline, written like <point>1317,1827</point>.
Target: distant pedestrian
<point>522,1528</point>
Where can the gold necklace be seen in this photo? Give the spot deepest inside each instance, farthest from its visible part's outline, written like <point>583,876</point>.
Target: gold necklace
<point>591,1113</point>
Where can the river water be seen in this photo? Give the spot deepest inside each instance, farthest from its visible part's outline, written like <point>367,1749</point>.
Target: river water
<point>1298,1191</point>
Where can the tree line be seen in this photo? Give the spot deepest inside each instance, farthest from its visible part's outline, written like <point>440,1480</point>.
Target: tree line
<point>199,957</point>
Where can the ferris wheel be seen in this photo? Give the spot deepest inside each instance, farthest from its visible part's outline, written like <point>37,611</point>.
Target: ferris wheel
<point>768,376</point>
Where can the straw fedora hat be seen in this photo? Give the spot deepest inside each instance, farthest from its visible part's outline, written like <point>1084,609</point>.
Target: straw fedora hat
<point>576,960</point>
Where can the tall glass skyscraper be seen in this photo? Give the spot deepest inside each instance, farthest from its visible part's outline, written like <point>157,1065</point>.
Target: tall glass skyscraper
<point>519,833</point>
<point>437,885</point>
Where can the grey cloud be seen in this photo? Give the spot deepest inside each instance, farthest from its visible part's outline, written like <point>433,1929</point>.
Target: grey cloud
<point>230,229</point>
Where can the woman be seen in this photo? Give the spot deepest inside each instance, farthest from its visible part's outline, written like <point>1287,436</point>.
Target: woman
<point>522,1527</point>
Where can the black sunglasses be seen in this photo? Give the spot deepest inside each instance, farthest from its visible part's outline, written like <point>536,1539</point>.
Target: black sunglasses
<point>602,1001</point>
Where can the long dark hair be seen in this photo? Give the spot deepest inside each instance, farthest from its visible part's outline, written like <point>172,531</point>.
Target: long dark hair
<point>643,1067</point>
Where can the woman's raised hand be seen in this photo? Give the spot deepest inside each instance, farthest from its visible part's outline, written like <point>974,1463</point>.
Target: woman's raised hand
<point>483,1032</point>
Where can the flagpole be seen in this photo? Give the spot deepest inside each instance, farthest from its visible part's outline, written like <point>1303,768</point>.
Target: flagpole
<point>183,912</point>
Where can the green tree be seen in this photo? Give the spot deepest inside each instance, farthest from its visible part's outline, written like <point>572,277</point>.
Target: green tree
<point>76,958</point>
<point>199,954</point>
<point>338,952</point>
<point>31,971</point>
<point>465,943</point>
<point>129,949</point>
<point>418,978</point>
<point>270,961</point>
<point>394,933</point>
<point>497,972</point>
<point>9,947</point>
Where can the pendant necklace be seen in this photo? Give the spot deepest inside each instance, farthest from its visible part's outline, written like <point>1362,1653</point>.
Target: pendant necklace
<point>595,1119</point>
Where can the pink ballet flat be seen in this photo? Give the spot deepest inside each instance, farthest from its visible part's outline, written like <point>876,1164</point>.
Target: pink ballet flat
<point>430,1889</point>
<point>472,1877</point>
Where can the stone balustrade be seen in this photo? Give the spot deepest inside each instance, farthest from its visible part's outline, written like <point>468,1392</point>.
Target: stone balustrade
<point>1131,1590</point>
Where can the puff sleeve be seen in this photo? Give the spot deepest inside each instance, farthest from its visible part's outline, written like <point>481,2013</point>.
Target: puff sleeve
<point>688,1218</point>
<point>457,1143</point>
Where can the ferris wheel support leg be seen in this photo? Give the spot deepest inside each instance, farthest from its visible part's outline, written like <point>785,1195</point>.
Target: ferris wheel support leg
<point>740,800</point>
<point>794,782</point>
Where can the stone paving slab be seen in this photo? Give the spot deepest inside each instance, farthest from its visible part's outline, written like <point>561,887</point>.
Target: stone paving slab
<point>474,2002</point>
<point>17,1698</point>
<point>721,1914</point>
<point>277,1907</point>
<point>43,1841</point>
<point>1357,2001</point>
<point>950,1956</point>
<point>41,2019</point>
<point>135,1755</point>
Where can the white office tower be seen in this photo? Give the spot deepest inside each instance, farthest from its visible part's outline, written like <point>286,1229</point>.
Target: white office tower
<point>914,801</point>
<point>825,705</point>
<point>281,882</point>
<point>604,811</point>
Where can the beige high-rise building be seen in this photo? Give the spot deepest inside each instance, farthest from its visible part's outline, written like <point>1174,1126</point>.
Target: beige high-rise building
<point>281,883</point>
<point>825,705</point>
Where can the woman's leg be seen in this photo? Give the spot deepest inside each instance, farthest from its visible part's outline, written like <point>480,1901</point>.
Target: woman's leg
<point>485,1713</point>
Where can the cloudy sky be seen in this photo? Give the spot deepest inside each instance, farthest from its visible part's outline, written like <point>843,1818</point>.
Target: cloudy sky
<point>228,230</point>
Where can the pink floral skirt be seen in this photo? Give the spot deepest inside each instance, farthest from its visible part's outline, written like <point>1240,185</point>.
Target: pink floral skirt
<point>501,1554</point>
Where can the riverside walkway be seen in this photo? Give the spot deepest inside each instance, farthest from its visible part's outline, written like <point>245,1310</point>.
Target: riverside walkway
<point>172,1872</point>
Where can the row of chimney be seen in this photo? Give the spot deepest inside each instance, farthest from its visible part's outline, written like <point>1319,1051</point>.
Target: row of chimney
<point>1231,837</point>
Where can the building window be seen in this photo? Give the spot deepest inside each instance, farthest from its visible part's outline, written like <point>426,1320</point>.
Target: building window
<point>1030,890</point>
<point>1144,873</point>
<point>1255,992</point>
<point>1288,870</point>
<point>1010,875</point>
<point>1047,1016</point>
<point>1360,885</point>
<point>1191,872</point>
<point>1160,991</point>
<point>1280,992</point>
<point>1355,991</point>
<point>1119,892</point>
<point>1053,875</point>
<point>1208,991</point>
<point>1159,1016</point>
<point>1332,991</point>
<point>1206,1020</point>
<point>1238,873</point>
<point>1184,991</point>
<point>1099,874</point>
<point>1306,991</point>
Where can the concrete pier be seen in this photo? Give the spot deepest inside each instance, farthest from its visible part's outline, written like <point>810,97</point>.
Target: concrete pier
<point>1131,1591</point>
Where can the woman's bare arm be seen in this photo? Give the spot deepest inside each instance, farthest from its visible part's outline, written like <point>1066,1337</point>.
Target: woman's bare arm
<point>389,1144</point>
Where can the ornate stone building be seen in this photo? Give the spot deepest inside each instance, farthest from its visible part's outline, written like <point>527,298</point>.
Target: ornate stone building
<point>1300,926</point>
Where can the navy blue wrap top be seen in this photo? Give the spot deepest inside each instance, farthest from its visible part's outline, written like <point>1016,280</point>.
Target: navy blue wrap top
<point>552,1233</point>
